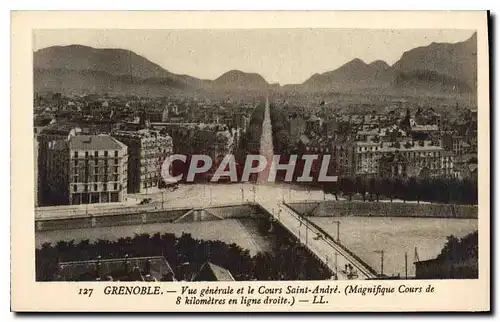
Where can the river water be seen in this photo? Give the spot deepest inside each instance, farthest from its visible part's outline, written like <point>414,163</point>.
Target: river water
<point>365,236</point>
<point>243,232</point>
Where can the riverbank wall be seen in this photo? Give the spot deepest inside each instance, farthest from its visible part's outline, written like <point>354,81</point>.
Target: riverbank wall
<point>381,209</point>
<point>150,217</point>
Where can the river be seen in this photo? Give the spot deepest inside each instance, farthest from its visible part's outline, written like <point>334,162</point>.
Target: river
<point>243,232</point>
<point>365,236</point>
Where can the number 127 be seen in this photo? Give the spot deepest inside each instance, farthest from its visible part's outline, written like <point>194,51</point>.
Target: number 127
<point>85,291</point>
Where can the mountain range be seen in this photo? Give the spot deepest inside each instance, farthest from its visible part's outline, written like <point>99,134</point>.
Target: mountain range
<point>438,67</point>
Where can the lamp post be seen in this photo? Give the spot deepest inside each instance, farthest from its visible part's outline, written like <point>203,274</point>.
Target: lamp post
<point>242,195</point>
<point>381,252</point>
<point>406,265</point>
<point>338,229</point>
<point>306,234</point>
<point>336,266</point>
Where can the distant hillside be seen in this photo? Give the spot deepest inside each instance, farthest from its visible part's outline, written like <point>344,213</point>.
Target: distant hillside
<point>89,82</point>
<point>76,69</point>
<point>112,61</point>
<point>438,67</point>
<point>238,80</point>
<point>443,66</point>
<point>355,74</point>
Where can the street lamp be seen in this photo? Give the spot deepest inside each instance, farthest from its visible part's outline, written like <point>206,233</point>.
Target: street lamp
<point>338,229</point>
<point>306,234</point>
<point>336,266</point>
<point>242,195</point>
<point>406,265</point>
<point>381,252</point>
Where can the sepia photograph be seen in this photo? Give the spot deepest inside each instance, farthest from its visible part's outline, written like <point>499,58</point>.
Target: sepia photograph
<point>393,125</point>
<point>256,155</point>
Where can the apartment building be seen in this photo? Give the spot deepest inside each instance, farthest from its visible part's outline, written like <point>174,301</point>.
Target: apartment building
<point>147,150</point>
<point>46,138</point>
<point>86,169</point>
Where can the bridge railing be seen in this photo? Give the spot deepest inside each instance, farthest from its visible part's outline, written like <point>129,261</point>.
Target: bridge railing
<point>332,243</point>
<point>291,232</point>
<point>42,215</point>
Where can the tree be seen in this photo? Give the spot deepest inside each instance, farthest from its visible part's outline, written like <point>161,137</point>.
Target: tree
<point>460,249</point>
<point>359,186</point>
<point>281,263</point>
<point>400,189</point>
<point>387,187</point>
<point>331,188</point>
<point>346,185</point>
<point>372,187</point>
<point>412,191</point>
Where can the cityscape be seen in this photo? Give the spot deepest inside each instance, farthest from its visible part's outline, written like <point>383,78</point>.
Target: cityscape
<point>398,142</point>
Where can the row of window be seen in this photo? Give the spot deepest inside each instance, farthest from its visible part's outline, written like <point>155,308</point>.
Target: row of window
<point>375,148</point>
<point>96,154</point>
<point>104,187</point>
<point>96,161</point>
<point>96,178</point>
<point>96,170</point>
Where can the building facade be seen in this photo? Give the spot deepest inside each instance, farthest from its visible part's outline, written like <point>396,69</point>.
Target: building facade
<point>405,158</point>
<point>46,138</point>
<point>214,140</point>
<point>147,150</point>
<point>86,169</point>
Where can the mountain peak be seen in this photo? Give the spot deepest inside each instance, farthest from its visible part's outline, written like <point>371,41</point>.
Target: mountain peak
<point>116,62</point>
<point>379,64</point>
<point>440,65</point>
<point>239,79</point>
<point>355,62</point>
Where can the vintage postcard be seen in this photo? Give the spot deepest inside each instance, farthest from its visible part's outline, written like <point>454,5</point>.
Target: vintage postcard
<point>250,161</point>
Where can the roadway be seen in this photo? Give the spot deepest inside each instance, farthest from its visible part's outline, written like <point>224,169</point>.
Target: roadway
<point>323,247</point>
<point>190,195</point>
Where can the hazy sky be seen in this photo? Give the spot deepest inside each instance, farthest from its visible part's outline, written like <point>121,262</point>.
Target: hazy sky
<point>286,56</point>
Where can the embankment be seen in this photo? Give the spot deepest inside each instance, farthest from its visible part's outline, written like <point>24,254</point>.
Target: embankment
<point>389,209</point>
<point>149,217</point>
